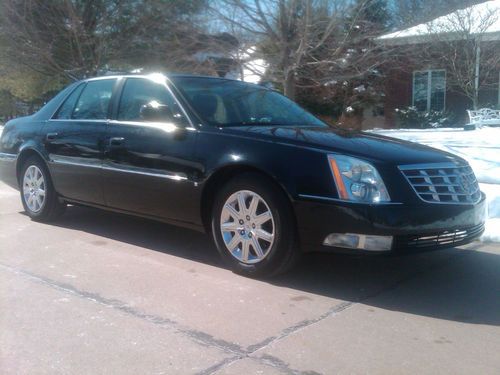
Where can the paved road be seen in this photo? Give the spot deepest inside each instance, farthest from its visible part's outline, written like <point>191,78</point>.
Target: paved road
<point>103,293</point>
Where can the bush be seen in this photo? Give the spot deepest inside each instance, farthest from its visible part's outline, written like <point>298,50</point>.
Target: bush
<point>411,118</point>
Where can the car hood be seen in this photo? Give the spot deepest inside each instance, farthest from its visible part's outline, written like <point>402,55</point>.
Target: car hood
<point>368,146</point>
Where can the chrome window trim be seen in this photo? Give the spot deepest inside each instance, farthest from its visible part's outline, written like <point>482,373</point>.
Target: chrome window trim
<point>82,120</point>
<point>166,126</point>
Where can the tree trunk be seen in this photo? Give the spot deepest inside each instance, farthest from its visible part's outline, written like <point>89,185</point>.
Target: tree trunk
<point>474,98</point>
<point>289,85</point>
<point>476,76</point>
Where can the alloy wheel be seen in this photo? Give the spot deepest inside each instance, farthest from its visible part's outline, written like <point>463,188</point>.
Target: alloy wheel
<point>247,226</point>
<point>34,188</point>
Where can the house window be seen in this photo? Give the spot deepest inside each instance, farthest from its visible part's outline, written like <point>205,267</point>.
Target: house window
<point>429,88</point>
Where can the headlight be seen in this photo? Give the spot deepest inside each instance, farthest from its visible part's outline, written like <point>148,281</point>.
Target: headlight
<point>357,180</point>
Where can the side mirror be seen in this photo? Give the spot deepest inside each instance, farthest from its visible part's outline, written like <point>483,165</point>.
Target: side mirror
<point>156,112</point>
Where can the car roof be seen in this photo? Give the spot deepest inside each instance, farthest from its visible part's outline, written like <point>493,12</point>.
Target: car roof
<point>149,75</point>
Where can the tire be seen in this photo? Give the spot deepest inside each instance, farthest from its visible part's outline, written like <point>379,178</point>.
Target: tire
<point>246,231</point>
<point>40,200</point>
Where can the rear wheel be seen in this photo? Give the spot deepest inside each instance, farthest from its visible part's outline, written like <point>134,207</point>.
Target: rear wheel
<point>253,227</point>
<point>38,196</point>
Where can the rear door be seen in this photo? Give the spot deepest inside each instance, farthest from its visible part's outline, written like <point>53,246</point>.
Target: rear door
<point>73,139</point>
<point>149,162</point>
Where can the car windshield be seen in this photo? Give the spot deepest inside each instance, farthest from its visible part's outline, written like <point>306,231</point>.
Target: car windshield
<point>221,102</point>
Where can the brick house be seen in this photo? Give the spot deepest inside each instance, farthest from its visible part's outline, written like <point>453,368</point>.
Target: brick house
<point>428,86</point>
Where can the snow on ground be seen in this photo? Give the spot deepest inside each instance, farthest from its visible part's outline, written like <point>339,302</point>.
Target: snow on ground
<point>481,148</point>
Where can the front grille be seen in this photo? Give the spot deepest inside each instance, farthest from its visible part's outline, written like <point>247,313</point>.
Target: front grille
<point>440,239</point>
<point>443,182</point>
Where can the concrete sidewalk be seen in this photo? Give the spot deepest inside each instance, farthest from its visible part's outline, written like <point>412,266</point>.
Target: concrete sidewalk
<point>103,293</point>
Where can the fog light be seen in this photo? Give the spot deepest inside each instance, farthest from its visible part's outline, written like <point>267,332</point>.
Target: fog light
<point>348,240</point>
<point>359,241</point>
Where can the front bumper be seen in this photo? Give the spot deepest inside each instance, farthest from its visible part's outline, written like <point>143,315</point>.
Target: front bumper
<point>424,226</point>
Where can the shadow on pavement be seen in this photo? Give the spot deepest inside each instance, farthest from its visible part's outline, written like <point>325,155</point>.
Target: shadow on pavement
<point>453,284</point>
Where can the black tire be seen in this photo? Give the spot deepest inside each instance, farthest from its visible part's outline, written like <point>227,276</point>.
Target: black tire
<point>52,207</point>
<point>284,252</point>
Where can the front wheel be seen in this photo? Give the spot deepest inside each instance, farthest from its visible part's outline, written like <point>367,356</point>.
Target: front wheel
<point>253,227</point>
<point>38,196</point>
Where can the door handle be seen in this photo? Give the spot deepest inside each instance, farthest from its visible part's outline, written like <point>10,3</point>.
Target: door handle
<point>51,136</point>
<point>116,141</point>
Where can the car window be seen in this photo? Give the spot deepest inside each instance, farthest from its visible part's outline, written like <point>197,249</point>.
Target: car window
<point>139,92</point>
<point>94,101</point>
<point>66,109</point>
<point>234,103</point>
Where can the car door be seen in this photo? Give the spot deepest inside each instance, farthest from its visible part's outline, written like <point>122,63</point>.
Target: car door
<point>148,166</point>
<point>73,140</point>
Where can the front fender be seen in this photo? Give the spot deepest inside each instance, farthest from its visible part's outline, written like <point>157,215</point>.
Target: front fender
<point>299,170</point>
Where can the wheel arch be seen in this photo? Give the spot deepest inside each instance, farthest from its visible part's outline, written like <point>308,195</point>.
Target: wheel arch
<point>24,155</point>
<point>218,178</point>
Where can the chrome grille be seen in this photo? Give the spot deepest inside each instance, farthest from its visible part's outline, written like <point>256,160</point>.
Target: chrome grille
<point>443,182</point>
<point>441,239</point>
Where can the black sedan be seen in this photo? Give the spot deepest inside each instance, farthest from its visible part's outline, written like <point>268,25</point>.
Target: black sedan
<point>265,177</point>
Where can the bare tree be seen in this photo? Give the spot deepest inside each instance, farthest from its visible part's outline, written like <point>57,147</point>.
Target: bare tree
<point>465,48</point>
<point>78,38</point>
<point>305,42</point>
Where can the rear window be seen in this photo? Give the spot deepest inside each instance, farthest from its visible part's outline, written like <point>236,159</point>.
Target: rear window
<point>66,109</point>
<point>93,103</point>
<point>138,92</point>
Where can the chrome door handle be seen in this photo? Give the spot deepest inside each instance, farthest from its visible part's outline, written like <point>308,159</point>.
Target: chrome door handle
<point>51,136</point>
<point>116,141</point>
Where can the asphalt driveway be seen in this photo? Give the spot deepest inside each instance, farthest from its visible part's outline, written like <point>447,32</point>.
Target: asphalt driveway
<point>98,292</point>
